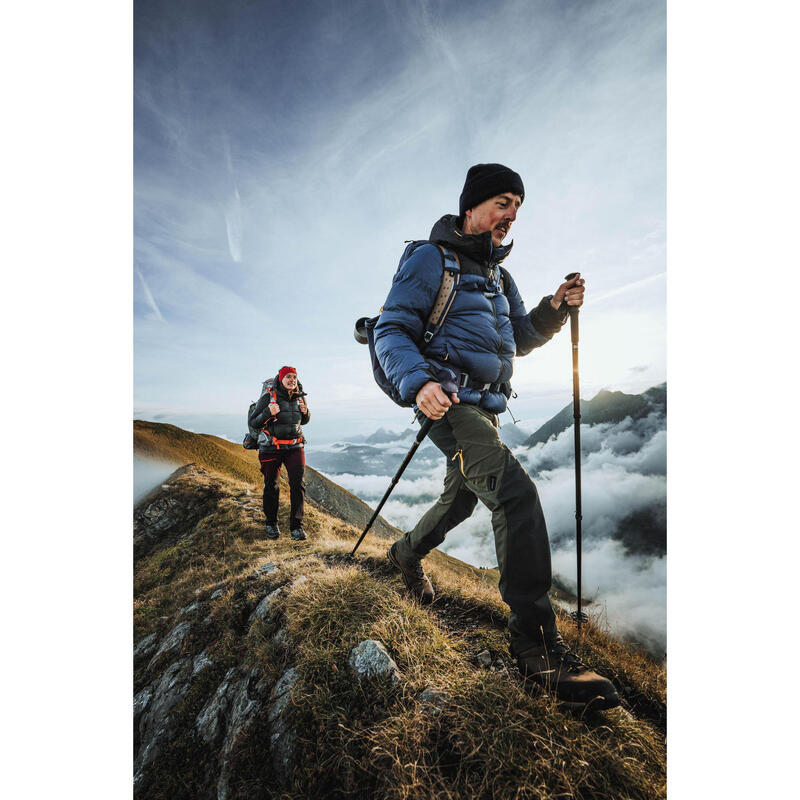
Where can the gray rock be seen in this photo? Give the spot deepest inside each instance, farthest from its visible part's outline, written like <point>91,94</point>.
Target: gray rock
<point>370,660</point>
<point>433,700</point>
<point>264,608</point>
<point>217,593</point>
<point>210,720</point>
<point>201,661</point>
<point>282,735</point>
<point>187,611</point>
<point>140,702</point>
<point>243,701</point>
<point>172,642</point>
<point>485,658</point>
<point>281,638</point>
<point>155,704</point>
<point>146,645</point>
<point>264,569</point>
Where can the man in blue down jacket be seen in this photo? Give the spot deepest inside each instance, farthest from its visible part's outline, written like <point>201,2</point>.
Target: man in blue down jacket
<point>462,382</point>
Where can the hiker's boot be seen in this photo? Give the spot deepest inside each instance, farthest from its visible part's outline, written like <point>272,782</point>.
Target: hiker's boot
<point>272,531</point>
<point>298,534</point>
<point>417,582</point>
<point>555,668</point>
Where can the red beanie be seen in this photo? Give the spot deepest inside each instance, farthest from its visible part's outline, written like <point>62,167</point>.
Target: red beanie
<point>285,371</point>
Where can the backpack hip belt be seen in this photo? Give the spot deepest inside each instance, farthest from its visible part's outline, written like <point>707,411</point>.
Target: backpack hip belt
<point>465,381</point>
<point>278,442</point>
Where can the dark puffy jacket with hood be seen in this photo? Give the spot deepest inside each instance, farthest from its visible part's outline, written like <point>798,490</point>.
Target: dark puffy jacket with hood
<point>484,329</point>
<point>285,425</point>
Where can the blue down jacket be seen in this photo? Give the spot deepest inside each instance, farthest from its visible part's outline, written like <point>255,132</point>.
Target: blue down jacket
<point>484,329</point>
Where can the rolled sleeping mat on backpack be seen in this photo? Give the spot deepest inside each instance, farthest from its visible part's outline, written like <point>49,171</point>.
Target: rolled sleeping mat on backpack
<point>360,331</point>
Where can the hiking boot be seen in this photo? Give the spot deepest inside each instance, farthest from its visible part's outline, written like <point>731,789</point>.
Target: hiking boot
<point>417,582</point>
<point>298,534</point>
<point>272,531</point>
<point>558,670</point>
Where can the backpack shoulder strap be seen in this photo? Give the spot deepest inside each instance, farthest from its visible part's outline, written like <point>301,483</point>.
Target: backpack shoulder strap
<point>451,275</point>
<point>268,387</point>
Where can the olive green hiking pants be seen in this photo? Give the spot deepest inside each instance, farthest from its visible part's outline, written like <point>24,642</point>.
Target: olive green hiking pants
<point>481,467</point>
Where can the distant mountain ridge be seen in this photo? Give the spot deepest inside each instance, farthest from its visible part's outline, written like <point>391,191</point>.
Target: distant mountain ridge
<point>605,406</point>
<point>382,436</point>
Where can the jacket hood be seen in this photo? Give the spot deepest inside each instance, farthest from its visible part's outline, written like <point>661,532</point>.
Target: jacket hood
<point>478,247</point>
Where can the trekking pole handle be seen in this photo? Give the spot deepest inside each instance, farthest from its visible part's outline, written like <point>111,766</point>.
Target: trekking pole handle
<point>423,429</point>
<point>573,313</point>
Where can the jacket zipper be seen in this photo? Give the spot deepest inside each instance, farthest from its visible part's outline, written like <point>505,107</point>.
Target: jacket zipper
<point>496,326</point>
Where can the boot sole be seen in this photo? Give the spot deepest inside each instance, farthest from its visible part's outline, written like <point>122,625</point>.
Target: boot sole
<point>424,599</point>
<point>598,703</point>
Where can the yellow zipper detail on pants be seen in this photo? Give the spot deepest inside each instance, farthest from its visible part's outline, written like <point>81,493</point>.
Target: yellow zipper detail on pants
<point>460,456</point>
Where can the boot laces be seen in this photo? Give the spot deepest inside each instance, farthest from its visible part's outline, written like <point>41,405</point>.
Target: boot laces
<point>560,650</point>
<point>419,571</point>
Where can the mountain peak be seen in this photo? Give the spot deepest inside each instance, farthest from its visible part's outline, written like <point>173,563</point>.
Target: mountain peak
<point>605,406</point>
<point>382,436</point>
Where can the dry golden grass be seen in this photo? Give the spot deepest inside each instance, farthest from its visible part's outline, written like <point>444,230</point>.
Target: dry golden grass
<point>491,738</point>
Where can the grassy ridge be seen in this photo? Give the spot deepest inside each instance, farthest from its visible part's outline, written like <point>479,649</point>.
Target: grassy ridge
<point>160,442</point>
<point>488,737</point>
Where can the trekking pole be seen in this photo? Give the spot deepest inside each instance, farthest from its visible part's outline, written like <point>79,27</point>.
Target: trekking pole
<point>578,615</point>
<point>423,432</point>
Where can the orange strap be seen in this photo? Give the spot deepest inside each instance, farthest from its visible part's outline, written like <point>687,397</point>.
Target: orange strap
<point>278,442</point>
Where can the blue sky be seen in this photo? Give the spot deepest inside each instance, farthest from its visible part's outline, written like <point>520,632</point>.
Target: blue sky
<point>284,152</point>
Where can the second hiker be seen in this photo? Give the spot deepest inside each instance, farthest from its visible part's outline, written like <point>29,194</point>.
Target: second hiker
<point>278,415</point>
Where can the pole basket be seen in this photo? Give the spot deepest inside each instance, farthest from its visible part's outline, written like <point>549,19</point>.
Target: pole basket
<point>579,616</point>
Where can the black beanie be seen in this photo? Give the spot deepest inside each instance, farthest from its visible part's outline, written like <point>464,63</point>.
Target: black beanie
<point>485,181</point>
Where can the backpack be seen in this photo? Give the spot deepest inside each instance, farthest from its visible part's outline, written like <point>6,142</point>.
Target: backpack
<point>365,326</point>
<point>250,441</point>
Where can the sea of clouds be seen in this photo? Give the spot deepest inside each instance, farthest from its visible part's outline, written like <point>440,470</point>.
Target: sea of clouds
<point>147,474</point>
<point>623,470</point>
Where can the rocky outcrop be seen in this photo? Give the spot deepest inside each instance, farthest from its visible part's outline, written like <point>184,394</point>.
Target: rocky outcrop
<point>153,707</point>
<point>264,609</point>
<point>172,643</point>
<point>145,646</point>
<point>171,513</point>
<point>227,714</point>
<point>282,735</point>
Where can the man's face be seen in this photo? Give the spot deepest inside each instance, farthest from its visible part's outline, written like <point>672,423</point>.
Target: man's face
<point>290,381</point>
<point>495,214</point>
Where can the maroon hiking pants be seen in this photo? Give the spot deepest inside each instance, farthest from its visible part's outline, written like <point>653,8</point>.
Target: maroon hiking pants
<point>295,461</point>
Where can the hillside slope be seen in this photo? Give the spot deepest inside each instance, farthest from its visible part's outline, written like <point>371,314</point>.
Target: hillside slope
<point>161,442</point>
<point>250,677</point>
